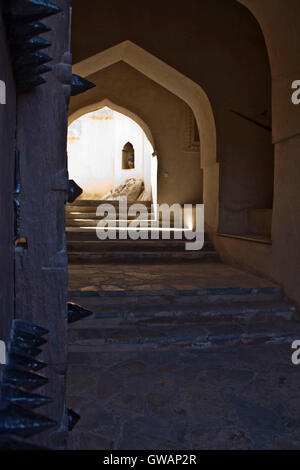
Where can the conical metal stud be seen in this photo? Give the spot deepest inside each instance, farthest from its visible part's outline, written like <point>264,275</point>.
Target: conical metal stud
<point>20,396</point>
<point>18,421</point>
<point>73,418</point>
<point>34,58</point>
<point>32,70</point>
<point>25,346</point>
<point>80,85</point>
<point>29,85</point>
<point>28,338</point>
<point>76,312</point>
<point>28,327</point>
<point>21,47</point>
<point>21,348</point>
<point>7,443</point>
<point>26,11</point>
<point>22,378</point>
<point>27,30</point>
<point>74,191</point>
<point>25,362</point>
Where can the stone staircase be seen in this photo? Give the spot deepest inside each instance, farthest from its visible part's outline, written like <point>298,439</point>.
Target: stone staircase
<point>85,247</point>
<point>181,352</point>
<point>150,318</point>
<point>168,369</point>
<point>197,319</point>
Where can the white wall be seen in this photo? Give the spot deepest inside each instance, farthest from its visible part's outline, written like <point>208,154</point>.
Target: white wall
<point>95,144</point>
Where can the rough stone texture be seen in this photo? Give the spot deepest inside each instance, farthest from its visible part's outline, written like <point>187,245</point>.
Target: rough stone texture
<point>156,276</point>
<point>186,406</point>
<point>135,392</point>
<point>132,189</point>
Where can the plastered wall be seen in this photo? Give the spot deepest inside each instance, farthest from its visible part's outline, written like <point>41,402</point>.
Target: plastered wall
<point>245,59</point>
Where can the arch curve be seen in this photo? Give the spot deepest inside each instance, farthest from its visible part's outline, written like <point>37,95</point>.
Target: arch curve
<point>184,88</point>
<point>167,77</point>
<point>120,109</point>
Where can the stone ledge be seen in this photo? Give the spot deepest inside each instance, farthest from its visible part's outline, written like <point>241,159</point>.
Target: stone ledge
<point>249,238</point>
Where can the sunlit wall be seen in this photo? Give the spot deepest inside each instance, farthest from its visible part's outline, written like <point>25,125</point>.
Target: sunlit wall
<point>95,143</point>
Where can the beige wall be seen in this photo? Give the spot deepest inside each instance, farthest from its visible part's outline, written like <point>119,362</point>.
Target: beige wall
<point>220,45</point>
<point>280,24</point>
<point>247,172</point>
<point>165,114</point>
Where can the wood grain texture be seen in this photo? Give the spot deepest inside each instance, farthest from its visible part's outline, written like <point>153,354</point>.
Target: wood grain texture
<point>41,269</point>
<point>7,162</point>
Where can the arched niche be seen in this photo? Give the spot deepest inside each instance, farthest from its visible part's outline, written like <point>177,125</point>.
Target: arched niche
<point>128,157</point>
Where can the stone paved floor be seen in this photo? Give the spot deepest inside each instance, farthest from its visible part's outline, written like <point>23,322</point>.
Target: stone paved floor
<point>234,397</point>
<point>188,275</point>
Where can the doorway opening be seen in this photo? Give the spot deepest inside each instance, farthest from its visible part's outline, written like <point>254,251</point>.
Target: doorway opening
<point>110,156</point>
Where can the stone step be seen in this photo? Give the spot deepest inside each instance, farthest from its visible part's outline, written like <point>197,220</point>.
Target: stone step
<point>90,213</point>
<point>179,337</point>
<point>130,246</point>
<point>97,202</point>
<point>71,215</point>
<point>161,256</point>
<point>183,314</point>
<point>79,222</point>
<point>121,299</point>
<point>89,234</point>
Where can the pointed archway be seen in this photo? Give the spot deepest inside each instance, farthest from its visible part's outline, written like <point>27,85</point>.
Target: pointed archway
<point>115,107</point>
<point>184,88</point>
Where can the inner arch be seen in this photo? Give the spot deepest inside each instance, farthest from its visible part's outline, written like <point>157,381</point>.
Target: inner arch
<point>120,109</point>
<point>184,88</point>
<point>96,142</point>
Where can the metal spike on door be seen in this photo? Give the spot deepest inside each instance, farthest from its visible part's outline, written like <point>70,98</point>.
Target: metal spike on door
<point>20,396</point>
<point>23,378</point>
<point>25,11</point>
<point>18,421</point>
<point>76,312</point>
<point>74,191</point>
<point>80,85</point>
